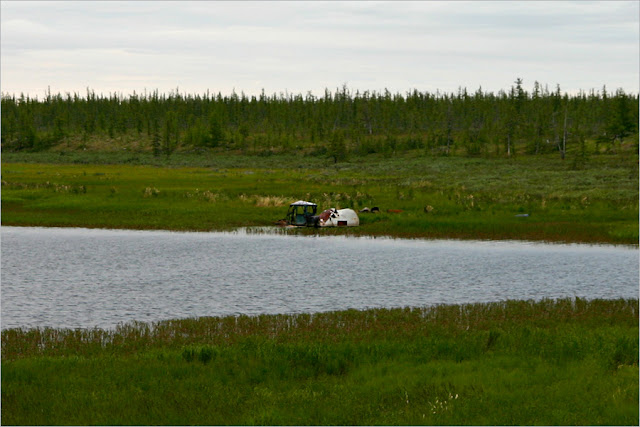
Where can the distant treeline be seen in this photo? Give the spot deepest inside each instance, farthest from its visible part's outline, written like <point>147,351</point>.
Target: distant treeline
<point>336,124</point>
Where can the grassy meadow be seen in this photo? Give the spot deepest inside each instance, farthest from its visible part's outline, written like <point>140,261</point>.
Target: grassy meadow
<point>439,197</point>
<point>551,362</point>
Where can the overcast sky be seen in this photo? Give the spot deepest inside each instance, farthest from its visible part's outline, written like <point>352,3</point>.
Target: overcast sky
<point>301,47</point>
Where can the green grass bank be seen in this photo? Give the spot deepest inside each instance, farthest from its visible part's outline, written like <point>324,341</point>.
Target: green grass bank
<point>550,362</point>
<point>594,200</point>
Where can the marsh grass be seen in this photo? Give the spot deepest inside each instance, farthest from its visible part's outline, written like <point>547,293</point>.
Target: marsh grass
<point>552,362</point>
<point>409,323</point>
<point>437,197</point>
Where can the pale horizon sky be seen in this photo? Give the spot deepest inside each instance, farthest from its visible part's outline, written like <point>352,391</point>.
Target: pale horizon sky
<point>309,46</point>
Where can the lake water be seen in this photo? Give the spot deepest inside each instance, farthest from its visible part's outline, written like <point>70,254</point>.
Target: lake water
<point>80,278</point>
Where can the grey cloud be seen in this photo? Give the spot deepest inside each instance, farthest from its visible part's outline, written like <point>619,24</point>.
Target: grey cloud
<point>306,45</point>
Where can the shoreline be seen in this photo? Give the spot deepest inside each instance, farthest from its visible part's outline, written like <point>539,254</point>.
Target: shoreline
<point>310,232</point>
<point>307,232</point>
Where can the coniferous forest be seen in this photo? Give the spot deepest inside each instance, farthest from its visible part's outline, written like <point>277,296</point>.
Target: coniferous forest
<point>337,125</point>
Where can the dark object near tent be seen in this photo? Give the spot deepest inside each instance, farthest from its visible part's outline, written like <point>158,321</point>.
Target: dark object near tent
<point>301,213</point>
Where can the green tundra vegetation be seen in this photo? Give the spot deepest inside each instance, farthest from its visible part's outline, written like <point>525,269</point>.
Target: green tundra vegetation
<point>439,198</point>
<point>562,362</point>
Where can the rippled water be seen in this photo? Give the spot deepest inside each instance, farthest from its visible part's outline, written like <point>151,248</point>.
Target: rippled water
<point>86,278</point>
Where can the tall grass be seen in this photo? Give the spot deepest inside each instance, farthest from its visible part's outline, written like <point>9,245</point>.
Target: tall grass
<point>379,323</point>
<point>570,361</point>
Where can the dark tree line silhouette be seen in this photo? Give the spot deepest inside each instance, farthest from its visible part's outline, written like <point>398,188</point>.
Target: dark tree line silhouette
<point>336,124</point>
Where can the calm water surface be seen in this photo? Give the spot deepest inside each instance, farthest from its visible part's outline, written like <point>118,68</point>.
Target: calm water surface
<point>79,278</point>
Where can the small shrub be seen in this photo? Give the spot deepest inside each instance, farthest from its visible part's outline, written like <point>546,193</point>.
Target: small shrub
<point>207,354</point>
<point>204,354</point>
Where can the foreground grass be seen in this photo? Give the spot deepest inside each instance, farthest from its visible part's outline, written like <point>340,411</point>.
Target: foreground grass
<point>596,201</point>
<point>564,362</point>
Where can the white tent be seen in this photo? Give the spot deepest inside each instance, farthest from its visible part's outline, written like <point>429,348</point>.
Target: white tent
<point>342,218</point>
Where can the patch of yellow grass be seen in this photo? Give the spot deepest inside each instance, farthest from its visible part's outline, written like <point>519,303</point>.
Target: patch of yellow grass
<point>271,201</point>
